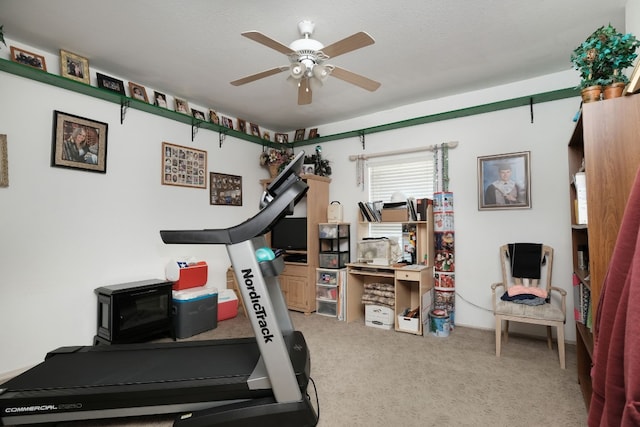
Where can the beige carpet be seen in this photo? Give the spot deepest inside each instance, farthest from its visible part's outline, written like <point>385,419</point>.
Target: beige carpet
<point>372,377</point>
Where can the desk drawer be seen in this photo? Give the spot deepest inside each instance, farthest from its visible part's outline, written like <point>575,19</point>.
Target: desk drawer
<point>408,275</point>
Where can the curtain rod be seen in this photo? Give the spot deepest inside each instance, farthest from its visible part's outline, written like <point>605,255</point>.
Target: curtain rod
<point>434,147</point>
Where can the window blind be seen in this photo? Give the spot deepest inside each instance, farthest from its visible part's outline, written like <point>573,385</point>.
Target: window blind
<point>411,177</point>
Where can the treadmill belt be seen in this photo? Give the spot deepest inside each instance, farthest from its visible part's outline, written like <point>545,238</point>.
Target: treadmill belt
<point>170,362</point>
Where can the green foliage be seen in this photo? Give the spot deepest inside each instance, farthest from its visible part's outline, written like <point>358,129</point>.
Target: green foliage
<point>2,35</point>
<point>601,58</point>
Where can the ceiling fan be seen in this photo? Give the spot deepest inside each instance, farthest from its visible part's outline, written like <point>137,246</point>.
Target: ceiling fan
<point>307,61</point>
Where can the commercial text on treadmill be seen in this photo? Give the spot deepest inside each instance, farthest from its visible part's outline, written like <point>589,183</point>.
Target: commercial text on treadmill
<point>258,309</point>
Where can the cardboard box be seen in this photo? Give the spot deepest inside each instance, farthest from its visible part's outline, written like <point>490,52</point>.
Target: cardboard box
<point>192,277</point>
<point>195,310</point>
<point>409,324</point>
<point>378,316</point>
<point>227,304</point>
<point>395,215</point>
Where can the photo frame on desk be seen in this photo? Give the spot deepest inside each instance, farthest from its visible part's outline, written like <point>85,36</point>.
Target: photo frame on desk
<point>504,181</point>
<point>634,81</point>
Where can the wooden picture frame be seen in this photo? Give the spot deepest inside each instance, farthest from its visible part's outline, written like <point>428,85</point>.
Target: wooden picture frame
<point>313,133</point>
<point>282,138</point>
<point>110,83</point>
<point>183,166</point>
<point>197,114</point>
<point>213,117</point>
<point>160,99</point>
<point>255,129</point>
<point>225,189</point>
<point>226,122</point>
<point>634,81</point>
<point>299,135</point>
<point>266,136</point>
<point>182,106</point>
<point>27,58</point>
<point>74,67</point>
<point>504,181</point>
<point>4,162</point>
<point>138,92</point>
<point>79,143</point>
<point>242,125</point>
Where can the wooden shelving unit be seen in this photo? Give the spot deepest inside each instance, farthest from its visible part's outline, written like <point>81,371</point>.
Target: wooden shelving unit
<point>606,137</point>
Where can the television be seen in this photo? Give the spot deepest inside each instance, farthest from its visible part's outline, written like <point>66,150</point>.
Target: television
<point>290,233</point>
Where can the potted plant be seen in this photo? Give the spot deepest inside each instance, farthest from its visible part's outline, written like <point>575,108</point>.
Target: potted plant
<point>275,159</point>
<point>618,54</point>
<point>2,35</point>
<point>600,60</point>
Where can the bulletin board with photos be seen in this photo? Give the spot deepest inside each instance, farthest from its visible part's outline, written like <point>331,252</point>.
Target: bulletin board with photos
<point>183,166</point>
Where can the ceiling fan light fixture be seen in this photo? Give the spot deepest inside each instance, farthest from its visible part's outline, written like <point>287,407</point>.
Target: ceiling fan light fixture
<point>297,70</point>
<point>321,72</point>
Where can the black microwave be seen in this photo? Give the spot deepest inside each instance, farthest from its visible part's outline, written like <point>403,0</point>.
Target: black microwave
<point>134,312</point>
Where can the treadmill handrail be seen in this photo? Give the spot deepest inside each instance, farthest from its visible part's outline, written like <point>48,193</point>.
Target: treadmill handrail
<point>257,225</point>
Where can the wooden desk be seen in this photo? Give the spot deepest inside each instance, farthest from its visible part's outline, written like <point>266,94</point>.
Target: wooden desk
<point>410,285</point>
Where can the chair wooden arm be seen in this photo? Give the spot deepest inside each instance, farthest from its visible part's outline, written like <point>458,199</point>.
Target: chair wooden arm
<point>493,293</point>
<point>563,293</point>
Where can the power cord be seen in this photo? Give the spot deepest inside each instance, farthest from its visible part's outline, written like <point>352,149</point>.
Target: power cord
<point>473,304</point>
<point>315,391</point>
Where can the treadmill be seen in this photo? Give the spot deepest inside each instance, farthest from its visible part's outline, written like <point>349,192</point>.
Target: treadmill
<point>260,380</point>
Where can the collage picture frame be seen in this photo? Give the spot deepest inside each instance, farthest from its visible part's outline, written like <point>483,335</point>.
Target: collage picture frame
<point>225,189</point>
<point>183,166</point>
<point>30,59</point>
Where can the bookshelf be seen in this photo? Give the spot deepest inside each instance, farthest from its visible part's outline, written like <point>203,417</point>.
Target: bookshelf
<point>606,138</point>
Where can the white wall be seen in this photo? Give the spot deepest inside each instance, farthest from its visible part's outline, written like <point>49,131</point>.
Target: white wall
<point>65,232</point>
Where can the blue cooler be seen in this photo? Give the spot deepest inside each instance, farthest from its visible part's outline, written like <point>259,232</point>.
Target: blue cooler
<point>195,310</point>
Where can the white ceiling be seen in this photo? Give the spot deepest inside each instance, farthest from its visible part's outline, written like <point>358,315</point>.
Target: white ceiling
<point>424,49</point>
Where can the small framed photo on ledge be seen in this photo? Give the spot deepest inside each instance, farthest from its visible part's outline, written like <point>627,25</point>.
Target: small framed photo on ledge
<point>79,143</point>
<point>74,67</point>
<point>110,83</point>
<point>24,57</point>
<point>504,181</point>
<point>138,92</point>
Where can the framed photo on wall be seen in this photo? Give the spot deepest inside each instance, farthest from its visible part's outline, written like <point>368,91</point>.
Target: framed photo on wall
<point>183,166</point>
<point>225,189</point>
<point>110,83</point>
<point>24,57</point>
<point>504,181</point>
<point>4,162</point>
<point>74,67</point>
<point>79,143</point>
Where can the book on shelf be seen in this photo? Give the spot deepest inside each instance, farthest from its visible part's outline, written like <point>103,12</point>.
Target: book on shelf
<point>370,211</point>
<point>580,182</point>
<point>422,206</point>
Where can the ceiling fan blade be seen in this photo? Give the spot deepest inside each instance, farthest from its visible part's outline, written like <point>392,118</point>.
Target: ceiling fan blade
<point>348,44</point>
<point>356,79</point>
<point>304,92</point>
<point>259,76</point>
<point>267,41</point>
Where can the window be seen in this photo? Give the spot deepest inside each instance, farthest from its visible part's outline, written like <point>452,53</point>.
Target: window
<point>404,177</point>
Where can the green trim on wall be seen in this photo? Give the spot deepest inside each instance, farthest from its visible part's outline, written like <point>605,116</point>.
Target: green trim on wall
<point>107,95</point>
